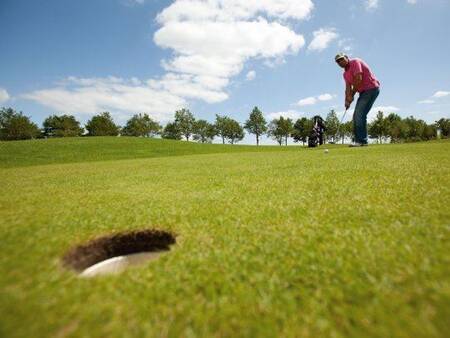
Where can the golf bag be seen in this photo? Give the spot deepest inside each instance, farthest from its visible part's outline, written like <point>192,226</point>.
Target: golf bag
<point>316,136</point>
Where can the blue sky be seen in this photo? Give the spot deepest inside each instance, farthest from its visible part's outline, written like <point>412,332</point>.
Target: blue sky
<point>220,56</point>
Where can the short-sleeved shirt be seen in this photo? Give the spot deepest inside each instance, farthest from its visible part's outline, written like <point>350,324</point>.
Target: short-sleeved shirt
<point>357,66</point>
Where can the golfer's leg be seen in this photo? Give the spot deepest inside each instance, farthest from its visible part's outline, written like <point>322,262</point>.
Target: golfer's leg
<point>358,119</point>
<point>364,123</point>
<point>372,95</point>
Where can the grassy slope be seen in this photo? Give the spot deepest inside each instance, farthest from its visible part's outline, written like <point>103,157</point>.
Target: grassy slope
<point>87,149</point>
<point>347,244</point>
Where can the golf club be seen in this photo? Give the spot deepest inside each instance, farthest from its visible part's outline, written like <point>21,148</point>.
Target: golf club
<point>339,126</point>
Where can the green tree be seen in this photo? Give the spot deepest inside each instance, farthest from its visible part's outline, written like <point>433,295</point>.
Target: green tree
<point>256,124</point>
<point>233,131</point>
<point>185,122</point>
<point>221,126</point>
<point>171,132</point>
<point>414,128</point>
<point>141,125</point>
<point>62,126</point>
<point>204,131</point>
<point>332,124</point>
<point>16,126</point>
<point>302,129</point>
<point>378,127</point>
<point>280,129</point>
<point>396,129</point>
<point>444,125</point>
<point>429,132</point>
<point>287,127</point>
<point>102,125</point>
<point>275,132</point>
<point>346,130</point>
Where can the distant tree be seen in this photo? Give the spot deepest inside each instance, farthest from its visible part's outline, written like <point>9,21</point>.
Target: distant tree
<point>396,129</point>
<point>280,129</point>
<point>233,131</point>
<point>62,126</point>
<point>275,131</point>
<point>16,126</point>
<point>171,132</point>
<point>429,132</point>
<point>185,122</point>
<point>256,124</point>
<point>332,124</point>
<point>204,131</point>
<point>102,125</point>
<point>221,126</point>
<point>378,127</point>
<point>414,128</point>
<point>287,127</point>
<point>444,125</point>
<point>141,125</point>
<point>346,130</point>
<point>302,129</point>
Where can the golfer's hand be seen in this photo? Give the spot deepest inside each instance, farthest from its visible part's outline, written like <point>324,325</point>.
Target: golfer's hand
<point>348,101</point>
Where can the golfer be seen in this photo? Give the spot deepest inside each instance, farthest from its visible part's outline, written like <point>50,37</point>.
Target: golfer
<point>359,78</point>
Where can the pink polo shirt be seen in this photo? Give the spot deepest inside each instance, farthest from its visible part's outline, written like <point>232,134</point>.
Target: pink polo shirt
<point>357,66</point>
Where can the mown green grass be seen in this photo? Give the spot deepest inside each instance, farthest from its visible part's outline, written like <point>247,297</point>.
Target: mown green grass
<point>353,243</point>
<point>88,149</point>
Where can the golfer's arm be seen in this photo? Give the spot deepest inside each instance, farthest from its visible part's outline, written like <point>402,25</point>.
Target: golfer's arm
<point>357,81</point>
<point>348,92</point>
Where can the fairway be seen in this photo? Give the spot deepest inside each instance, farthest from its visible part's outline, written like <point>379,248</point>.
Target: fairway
<point>270,241</point>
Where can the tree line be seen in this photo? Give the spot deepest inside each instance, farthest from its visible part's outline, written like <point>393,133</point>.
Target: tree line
<point>391,128</point>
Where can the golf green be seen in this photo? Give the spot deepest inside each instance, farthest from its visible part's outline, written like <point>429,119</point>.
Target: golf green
<point>270,241</point>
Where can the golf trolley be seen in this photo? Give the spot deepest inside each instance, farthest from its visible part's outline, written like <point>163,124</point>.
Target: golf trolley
<point>316,136</point>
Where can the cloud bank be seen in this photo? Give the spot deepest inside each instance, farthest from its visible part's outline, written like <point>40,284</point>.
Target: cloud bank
<point>315,99</point>
<point>87,96</point>
<point>4,96</point>
<point>210,42</point>
<point>322,38</point>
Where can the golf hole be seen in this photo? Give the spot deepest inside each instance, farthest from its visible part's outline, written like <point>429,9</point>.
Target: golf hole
<point>113,254</point>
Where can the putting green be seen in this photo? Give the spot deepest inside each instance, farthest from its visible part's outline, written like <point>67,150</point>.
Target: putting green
<point>353,243</point>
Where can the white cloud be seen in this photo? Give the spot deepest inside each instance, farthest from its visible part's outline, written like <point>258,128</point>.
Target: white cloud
<point>385,109</point>
<point>322,38</point>
<point>121,97</point>
<point>4,96</point>
<point>314,99</point>
<point>440,94</point>
<point>412,2</point>
<point>326,97</point>
<point>132,3</point>
<point>204,87</point>
<point>307,101</point>
<point>250,75</point>
<point>274,62</point>
<point>221,48</point>
<point>210,43</point>
<point>216,37</point>
<point>345,45</point>
<point>371,4</point>
<point>292,114</point>
<point>234,10</point>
